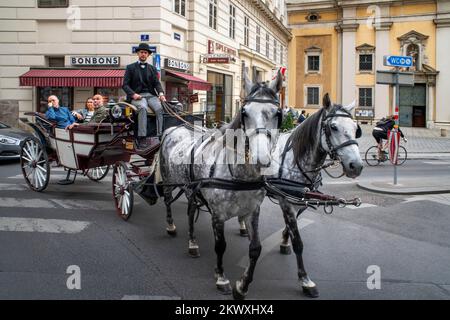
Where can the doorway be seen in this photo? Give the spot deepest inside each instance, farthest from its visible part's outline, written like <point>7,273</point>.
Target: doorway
<point>413,106</point>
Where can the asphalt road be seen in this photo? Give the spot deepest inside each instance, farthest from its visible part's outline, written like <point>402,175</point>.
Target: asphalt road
<point>406,237</point>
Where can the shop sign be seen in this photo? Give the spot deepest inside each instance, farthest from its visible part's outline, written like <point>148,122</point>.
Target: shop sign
<point>193,98</point>
<point>145,37</point>
<point>176,64</point>
<point>152,49</point>
<point>216,47</point>
<point>216,58</point>
<point>95,60</point>
<point>177,36</point>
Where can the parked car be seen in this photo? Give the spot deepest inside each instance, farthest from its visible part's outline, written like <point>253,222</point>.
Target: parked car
<point>10,141</point>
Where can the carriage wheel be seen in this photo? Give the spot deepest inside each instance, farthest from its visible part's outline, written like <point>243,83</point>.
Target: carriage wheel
<point>122,191</point>
<point>35,165</point>
<point>97,173</point>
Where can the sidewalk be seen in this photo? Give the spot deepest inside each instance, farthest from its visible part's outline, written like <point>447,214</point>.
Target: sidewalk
<point>422,143</point>
<point>408,186</point>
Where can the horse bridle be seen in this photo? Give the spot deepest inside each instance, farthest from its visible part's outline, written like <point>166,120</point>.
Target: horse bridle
<point>326,127</point>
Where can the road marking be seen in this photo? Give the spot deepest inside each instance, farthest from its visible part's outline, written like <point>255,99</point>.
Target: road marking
<point>56,203</point>
<point>273,241</point>
<point>362,206</point>
<point>74,189</point>
<point>63,176</point>
<point>137,297</point>
<point>438,198</point>
<point>436,162</point>
<point>340,182</point>
<point>25,203</point>
<point>42,225</point>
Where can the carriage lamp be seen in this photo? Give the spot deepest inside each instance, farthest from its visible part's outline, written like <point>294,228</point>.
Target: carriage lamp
<point>9,140</point>
<point>116,112</point>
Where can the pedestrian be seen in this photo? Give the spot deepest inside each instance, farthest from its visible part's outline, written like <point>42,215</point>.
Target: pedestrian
<point>144,90</point>
<point>60,114</point>
<point>302,117</point>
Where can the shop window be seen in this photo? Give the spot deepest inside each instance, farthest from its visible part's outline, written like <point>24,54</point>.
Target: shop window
<point>64,94</point>
<point>53,3</point>
<point>110,94</point>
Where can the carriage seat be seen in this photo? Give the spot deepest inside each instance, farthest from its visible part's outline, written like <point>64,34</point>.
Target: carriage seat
<point>92,128</point>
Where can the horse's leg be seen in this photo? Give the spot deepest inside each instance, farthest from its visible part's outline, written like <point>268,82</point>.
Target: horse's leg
<point>309,287</point>
<point>285,247</point>
<point>242,228</point>
<point>241,288</point>
<point>222,283</point>
<point>171,228</point>
<point>193,246</point>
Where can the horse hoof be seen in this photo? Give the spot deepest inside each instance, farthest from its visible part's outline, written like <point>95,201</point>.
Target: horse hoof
<point>171,230</point>
<point>311,292</point>
<point>285,249</point>
<point>237,295</point>
<point>243,232</point>
<point>224,287</point>
<point>194,252</point>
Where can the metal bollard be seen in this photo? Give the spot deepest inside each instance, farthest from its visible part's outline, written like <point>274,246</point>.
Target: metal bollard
<point>443,132</point>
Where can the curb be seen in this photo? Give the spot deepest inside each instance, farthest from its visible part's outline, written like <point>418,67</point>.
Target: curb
<point>402,190</point>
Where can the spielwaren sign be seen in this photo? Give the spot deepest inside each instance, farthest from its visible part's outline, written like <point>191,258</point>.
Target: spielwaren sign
<point>95,60</point>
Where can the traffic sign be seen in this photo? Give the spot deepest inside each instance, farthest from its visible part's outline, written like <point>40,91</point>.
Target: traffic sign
<point>398,61</point>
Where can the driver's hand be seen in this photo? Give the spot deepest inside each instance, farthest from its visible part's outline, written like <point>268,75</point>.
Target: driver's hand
<point>162,98</point>
<point>136,97</point>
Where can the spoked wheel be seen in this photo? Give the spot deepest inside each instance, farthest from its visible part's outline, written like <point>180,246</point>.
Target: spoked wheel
<point>402,155</point>
<point>372,156</point>
<point>122,191</point>
<point>35,165</point>
<point>97,173</point>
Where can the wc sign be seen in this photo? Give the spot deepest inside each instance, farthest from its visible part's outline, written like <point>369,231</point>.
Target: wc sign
<point>398,61</point>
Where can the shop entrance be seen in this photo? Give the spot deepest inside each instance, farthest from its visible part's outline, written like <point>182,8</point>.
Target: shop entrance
<point>412,111</point>
<point>219,98</point>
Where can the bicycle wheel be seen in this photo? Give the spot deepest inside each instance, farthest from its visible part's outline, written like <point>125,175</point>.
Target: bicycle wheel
<point>402,155</point>
<point>372,156</point>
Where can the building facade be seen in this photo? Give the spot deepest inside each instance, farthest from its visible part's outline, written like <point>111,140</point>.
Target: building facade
<point>76,48</point>
<point>338,46</point>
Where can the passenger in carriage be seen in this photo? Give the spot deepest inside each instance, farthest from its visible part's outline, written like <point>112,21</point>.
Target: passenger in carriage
<point>144,90</point>
<point>60,114</point>
<point>101,113</point>
<point>85,115</point>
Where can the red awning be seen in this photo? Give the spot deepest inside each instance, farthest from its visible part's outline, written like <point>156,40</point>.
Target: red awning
<point>111,78</point>
<point>194,83</point>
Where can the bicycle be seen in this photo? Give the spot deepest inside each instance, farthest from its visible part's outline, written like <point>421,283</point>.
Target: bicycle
<point>373,159</point>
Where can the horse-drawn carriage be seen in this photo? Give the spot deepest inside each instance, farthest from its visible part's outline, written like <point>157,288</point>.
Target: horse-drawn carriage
<point>92,148</point>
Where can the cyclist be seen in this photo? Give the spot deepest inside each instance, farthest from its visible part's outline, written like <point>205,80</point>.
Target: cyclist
<point>380,132</point>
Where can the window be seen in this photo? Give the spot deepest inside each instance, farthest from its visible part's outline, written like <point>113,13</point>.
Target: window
<point>53,3</point>
<point>275,45</point>
<point>281,54</point>
<point>313,63</point>
<point>246,30</point>
<point>213,14</point>
<point>365,97</point>
<point>258,39</point>
<point>180,7</point>
<point>232,21</point>
<point>313,96</point>
<point>267,44</point>
<point>365,62</point>
<point>55,62</point>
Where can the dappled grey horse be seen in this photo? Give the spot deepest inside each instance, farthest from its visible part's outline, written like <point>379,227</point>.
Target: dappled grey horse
<point>184,159</point>
<point>298,159</point>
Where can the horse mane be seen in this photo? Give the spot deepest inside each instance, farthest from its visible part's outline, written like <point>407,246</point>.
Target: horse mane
<point>305,139</point>
<point>259,90</point>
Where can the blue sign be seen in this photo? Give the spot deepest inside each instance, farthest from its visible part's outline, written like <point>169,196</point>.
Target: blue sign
<point>145,37</point>
<point>177,36</point>
<point>157,62</point>
<point>152,49</point>
<point>398,61</point>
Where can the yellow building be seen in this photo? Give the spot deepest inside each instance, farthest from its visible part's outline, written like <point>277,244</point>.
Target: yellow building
<point>338,46</point>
